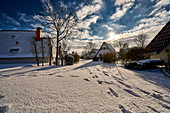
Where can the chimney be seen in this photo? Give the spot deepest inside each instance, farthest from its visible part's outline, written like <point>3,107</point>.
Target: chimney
<point>39,33</point>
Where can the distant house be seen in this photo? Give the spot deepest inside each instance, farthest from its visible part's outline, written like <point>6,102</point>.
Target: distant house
<point>93,53</point>
<point>159,47</point>
<point>16,46</point>
<point>105,48</point>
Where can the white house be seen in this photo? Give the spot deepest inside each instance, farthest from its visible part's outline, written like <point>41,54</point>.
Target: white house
<point>105,48</point>
<point>16,46</point>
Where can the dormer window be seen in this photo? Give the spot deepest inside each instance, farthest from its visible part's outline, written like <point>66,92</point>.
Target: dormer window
<point>13,50</point>
<point>13,36</point>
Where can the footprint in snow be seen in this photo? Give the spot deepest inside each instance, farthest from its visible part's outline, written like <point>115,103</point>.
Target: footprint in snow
<point>96,76</point>
<point>33,75</point>
<point>5,75</point>
<point>123,109</point>
<point>86,79</point>
<point>153,109</point>
<point>1,96</point>
<point>90,72</point>
<point>74,76</point>
<point>105,73</point>
<point>157,92</point>
<point>128,86</point>
<point>164,105</point>
<point>131,92</point>
<point>99,82</point>
<point>143,91</point>
<point>59,76</point>
<point>3,109</point>
<point>113,92</point>
<point>159,97</point>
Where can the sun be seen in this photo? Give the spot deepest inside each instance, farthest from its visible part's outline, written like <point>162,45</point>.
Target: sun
<point>113,36</point>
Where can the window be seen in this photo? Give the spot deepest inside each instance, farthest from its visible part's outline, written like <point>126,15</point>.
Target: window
<point>13,50</point>
<point>12,36</point>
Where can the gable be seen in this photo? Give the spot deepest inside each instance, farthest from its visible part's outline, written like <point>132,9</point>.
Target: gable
<point>105,47</point>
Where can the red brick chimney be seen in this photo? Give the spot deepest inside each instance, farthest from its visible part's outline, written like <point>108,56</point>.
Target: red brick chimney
<point>39,33</point>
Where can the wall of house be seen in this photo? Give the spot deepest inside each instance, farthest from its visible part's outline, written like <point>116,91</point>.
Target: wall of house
<point>162,55</point>
<point>15,40</point>
<point>21,40</point>
<point>21,60</point>
<point>104,49</point>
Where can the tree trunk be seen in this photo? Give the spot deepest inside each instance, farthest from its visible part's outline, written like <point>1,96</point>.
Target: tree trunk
<point>36,55</point>
<point>57,52</point>
<point>42,51</point>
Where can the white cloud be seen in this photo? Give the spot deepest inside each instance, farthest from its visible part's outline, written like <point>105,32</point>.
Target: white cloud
<point>159,5</point>
<point>162,3</point>
<point>23,17</point>
<point>121,11</point>
<point>89,9</point>
<point>86,23</point>
<point>95,37</point>
<point>108,27</point>
<point>10,19</point>
<point>121,2</point>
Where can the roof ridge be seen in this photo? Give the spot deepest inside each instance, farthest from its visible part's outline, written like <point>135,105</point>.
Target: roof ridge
<point>20,30</point>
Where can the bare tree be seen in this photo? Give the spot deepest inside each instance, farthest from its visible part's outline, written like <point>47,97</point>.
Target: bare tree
<point>34,49</point>
<point>90,46</point>
<point>50,50</point>
<point>141,39</point>
<point>65,46</point>
<point>58,19</point>
<point>119,44</point>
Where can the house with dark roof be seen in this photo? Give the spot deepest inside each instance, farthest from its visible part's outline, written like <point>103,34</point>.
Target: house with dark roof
<point>16,46</point>
<point>105,48</point>
<point>159,47</point>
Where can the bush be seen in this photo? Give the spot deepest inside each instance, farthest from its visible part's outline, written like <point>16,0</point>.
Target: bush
<point>95,59</point>
<point>76,57</point>
<point>109,57</point>
<point>144,64</point>
<point>135,54</point>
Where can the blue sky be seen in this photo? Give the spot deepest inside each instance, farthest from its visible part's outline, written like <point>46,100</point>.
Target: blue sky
<point>102,20</point>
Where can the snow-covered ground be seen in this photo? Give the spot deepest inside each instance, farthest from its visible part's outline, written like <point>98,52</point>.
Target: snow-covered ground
<point>86,87</point>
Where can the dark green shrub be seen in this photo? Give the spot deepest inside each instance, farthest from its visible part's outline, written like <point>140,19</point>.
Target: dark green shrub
<point>76,57</point>
<point>135,54</point>
<point>109,57</point>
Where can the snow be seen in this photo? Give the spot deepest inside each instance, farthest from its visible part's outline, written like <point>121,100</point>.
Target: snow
<point>88,86</point>
<point>148,61</point>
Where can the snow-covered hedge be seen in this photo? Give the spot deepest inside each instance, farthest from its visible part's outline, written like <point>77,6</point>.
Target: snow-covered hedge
<point>144,64</point>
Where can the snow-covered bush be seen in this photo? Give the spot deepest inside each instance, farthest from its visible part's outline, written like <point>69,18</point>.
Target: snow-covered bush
<point>109,57</point>
<point>144,64</point>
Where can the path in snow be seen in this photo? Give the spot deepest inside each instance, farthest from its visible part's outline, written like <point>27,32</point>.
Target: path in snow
<point>84,87</point>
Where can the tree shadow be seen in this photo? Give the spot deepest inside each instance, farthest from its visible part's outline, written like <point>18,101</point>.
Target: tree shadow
<point>153,76</point>
<point>42,68</point>
<point>95,63</point>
